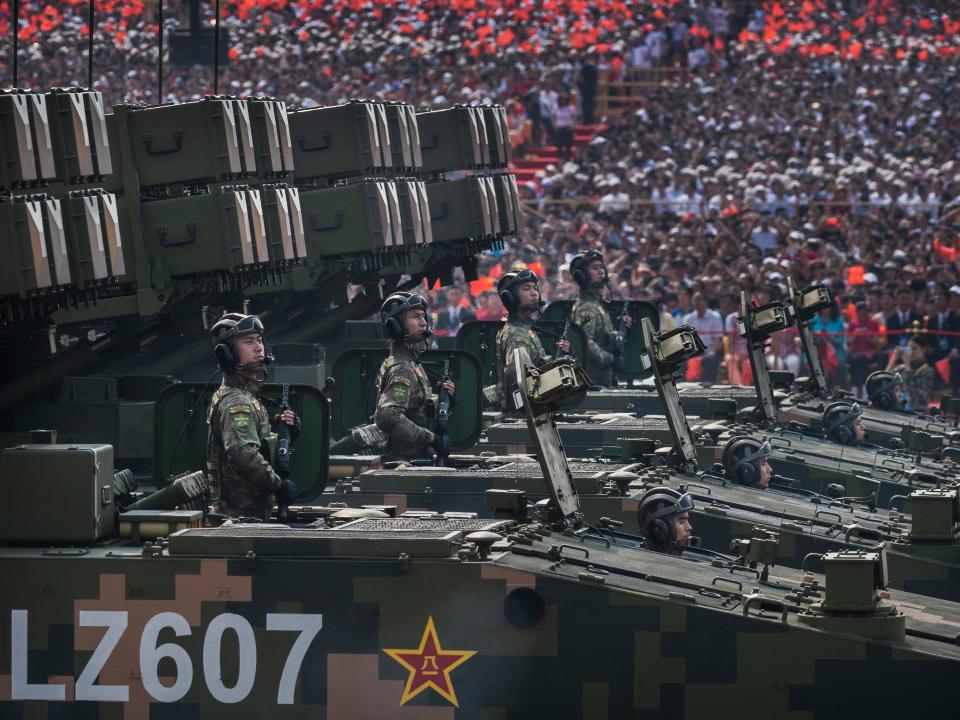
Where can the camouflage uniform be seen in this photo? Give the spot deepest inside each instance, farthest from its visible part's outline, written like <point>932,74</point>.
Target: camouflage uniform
<point>516,332</point>
<point>239,442</point>
<point>589,313</point>
<point>403,404</point>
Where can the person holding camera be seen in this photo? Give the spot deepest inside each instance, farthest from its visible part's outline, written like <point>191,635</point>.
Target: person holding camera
<point>917,375</point>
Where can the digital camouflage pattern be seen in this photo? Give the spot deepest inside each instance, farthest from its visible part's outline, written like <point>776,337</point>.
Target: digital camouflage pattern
<point>240,449</point>
<point>517,332</point>
<point>403,404</point>
<point>238,622</point>
<point>588,312</point>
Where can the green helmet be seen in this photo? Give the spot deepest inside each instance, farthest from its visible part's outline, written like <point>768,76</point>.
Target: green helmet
<point>392,310</point>
<point>578,268</point>
<point>506,288</point>
<point>223,334</point>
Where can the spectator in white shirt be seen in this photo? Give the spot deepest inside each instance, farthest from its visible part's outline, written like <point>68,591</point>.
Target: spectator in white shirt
<point>564,118</point>
<point>709,325</point>
<point>764,236</point>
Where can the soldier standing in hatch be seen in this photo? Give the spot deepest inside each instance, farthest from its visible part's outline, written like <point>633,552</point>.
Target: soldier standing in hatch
<point>590,274</point>
<point>240,445</point>
<point>520,296</point>
<point>403,406</point>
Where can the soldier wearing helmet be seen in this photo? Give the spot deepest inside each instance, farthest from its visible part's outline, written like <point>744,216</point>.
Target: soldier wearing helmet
<point>664,518</point>
<point>843,423</point>
<point>405,394</point>
<point>240,444</point>
<point>883,389</point>
<point>590,274</point>
<point>746,461</point>
<point>520,296</point>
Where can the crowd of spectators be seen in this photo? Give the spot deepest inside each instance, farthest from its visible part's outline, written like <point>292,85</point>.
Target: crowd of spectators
<point>816,139</point>
<point>776,161</point>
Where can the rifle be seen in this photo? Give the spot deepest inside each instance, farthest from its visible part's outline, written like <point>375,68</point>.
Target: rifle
<point>621,339</point>
<point>565,335</point>
<point>443,413</point>
<point>282,463</point>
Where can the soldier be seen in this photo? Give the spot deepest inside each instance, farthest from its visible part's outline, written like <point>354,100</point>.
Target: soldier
<point>883,389</point>
<point>240,446</point>
<point>664,516</point>
<point>590,274</point>
<point>405,401</point>
<point>520,295</point>
<point>746,461</point>
<point>843,423</point>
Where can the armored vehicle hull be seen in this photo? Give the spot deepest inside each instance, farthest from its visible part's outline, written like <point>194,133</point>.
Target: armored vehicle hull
<point>810,460</point>
<point>805,522</point>
<point>406,619</point>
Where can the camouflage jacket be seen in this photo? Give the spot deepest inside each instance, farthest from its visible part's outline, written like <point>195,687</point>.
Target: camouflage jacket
<point>516,332</point>
<point>588,312</point>
<point>239,443</point>
<point>918,384</point>
<point>403,404</point>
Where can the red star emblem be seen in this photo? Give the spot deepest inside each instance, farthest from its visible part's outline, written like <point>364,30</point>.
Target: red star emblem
<point>430,666</point>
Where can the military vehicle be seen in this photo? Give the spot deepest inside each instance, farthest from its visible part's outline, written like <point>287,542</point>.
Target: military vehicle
<point>803,457</point>
<point>132,230</point>
<point>448,615</point>
<point>774,399</point>
<point>807,521</point>
<point>635,392</point>
<point>884,425</point>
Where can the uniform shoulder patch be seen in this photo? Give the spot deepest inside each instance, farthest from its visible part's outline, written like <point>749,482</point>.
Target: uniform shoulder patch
<point>399,392</point>
<point>240,408</point>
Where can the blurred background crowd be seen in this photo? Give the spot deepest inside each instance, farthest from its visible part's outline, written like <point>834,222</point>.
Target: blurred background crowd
<point>704,146</point>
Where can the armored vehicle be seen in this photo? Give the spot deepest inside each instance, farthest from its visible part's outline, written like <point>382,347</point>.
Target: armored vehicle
<point>815,407</point>
<point>807,521</point>
<point>457,616</point>
<point>133,230</point>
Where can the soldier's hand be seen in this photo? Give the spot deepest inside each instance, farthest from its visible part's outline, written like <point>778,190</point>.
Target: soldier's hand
<point>627,320</point>
<point>287,492</point>
<point>449,387</point>
<point>293,420</point>
<point>564,345</point>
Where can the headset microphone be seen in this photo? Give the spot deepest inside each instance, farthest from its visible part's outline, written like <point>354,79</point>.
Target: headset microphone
<point>258,365</point>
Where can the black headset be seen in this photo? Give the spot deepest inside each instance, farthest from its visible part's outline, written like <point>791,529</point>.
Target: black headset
<point>836,421</point>
<point>579,264</point>
<point>882,390</point>
<point>509,281</point>
<point>656,505</point>
<point>392,311</point>
<point>740,459</point>
<point>225,331</point>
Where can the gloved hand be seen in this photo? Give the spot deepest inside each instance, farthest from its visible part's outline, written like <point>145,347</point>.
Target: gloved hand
<point>287,492</point>
<point>293,420</point>
<point>442,445</point>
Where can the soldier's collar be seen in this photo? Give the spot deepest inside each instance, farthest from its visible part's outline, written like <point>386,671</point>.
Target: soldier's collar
<point>406,351</point>
<point>235,380</point>
<point>524,317</point>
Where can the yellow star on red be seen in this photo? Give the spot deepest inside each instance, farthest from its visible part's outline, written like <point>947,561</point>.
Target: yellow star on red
<point>430,666</point>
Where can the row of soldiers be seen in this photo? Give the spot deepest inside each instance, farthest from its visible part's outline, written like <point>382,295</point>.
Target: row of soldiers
<point>240,444</point>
